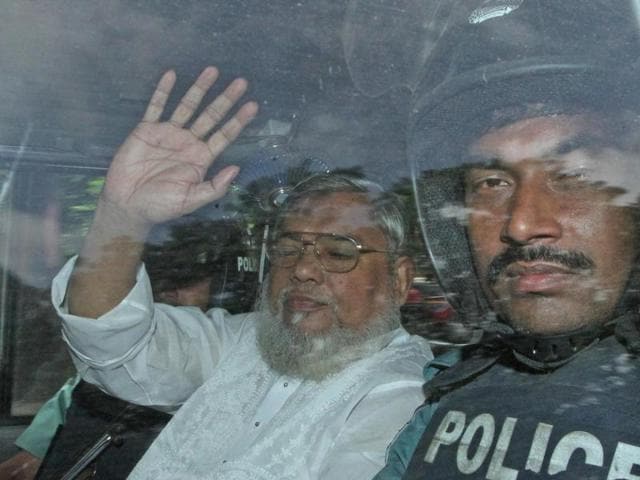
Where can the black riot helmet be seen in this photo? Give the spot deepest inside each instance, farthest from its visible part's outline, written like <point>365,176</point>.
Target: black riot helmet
<point>184,251</point>
<point>502,61</point>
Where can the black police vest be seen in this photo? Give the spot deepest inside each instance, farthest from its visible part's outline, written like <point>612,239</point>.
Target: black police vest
<point>580,421</point>
<point>91,414</point>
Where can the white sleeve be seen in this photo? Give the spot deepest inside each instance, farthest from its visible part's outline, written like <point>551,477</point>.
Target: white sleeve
<point>146,353</point>
<point>360,449</point>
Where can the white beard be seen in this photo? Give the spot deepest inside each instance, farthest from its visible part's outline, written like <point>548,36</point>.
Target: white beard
<point>315,356</point>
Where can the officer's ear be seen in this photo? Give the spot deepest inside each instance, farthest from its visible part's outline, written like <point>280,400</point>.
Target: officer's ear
<point>404,269</point>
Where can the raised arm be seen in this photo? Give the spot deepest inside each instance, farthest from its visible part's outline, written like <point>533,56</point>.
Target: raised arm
<point>156,175</point>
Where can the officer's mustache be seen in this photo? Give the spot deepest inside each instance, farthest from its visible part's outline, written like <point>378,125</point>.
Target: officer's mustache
<point>567,258</point>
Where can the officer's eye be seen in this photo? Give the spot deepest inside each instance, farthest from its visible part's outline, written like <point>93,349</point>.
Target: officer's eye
<point>575,178</point>
<point>488,183</point>
<point>578,175</point>
<point>495,182</point>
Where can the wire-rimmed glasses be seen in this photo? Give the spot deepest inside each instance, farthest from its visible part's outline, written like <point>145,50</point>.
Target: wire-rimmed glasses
<point>335,253</point>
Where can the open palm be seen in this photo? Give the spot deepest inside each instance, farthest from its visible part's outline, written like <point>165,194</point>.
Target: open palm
<point>159,171</point>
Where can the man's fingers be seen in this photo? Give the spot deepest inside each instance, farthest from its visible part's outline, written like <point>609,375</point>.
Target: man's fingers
<point>191,100</point>
<point>230,130</point>
<point>213,189</point>
<point>215,112</point>
<point>159,97</point>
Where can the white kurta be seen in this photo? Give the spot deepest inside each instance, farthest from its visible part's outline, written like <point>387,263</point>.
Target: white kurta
<point>246,421</point>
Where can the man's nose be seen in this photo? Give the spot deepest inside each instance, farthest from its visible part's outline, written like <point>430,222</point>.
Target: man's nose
<point>307,266</point>
<point>533,215</point>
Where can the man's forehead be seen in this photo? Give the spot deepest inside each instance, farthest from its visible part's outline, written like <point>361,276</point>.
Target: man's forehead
<point>344,211</point>
<point>537,136</point>
<point>577,146</point>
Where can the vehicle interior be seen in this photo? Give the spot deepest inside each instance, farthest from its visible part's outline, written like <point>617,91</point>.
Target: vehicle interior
<point>333,79</point>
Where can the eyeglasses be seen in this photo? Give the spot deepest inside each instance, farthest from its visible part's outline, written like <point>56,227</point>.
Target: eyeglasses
<point>335,253</point>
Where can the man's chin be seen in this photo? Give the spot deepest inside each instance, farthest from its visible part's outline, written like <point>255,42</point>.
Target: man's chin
<point>309,323</point>
<point>542,322</point>
<point>316,354</point>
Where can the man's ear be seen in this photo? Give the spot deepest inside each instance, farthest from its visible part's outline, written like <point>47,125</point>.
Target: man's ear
<point>405,271</point>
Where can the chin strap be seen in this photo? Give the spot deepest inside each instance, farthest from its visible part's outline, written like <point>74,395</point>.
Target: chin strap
<point>547,352</point>
<point>541,353</point>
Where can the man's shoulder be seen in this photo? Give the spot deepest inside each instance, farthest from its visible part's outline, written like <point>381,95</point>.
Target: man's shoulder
<point>235,325</point>
<point>402,358</point>
<point>403,343</point>
<point>220,314</point>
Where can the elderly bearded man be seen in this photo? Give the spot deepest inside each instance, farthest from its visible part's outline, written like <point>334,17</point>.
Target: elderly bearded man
<point>312,385</point>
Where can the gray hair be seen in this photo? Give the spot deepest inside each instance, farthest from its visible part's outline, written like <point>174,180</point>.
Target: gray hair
<point>387,209</point>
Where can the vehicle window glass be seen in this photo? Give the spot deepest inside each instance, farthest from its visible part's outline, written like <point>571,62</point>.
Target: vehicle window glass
<point>358,86</point>
<point>46,213</point>
<point>81,74</point>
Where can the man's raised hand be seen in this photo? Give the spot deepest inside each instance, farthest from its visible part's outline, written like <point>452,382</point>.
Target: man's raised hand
<point>158,172</point>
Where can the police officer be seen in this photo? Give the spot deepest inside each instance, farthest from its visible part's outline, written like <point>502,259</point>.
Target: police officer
<point>524,148</point>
